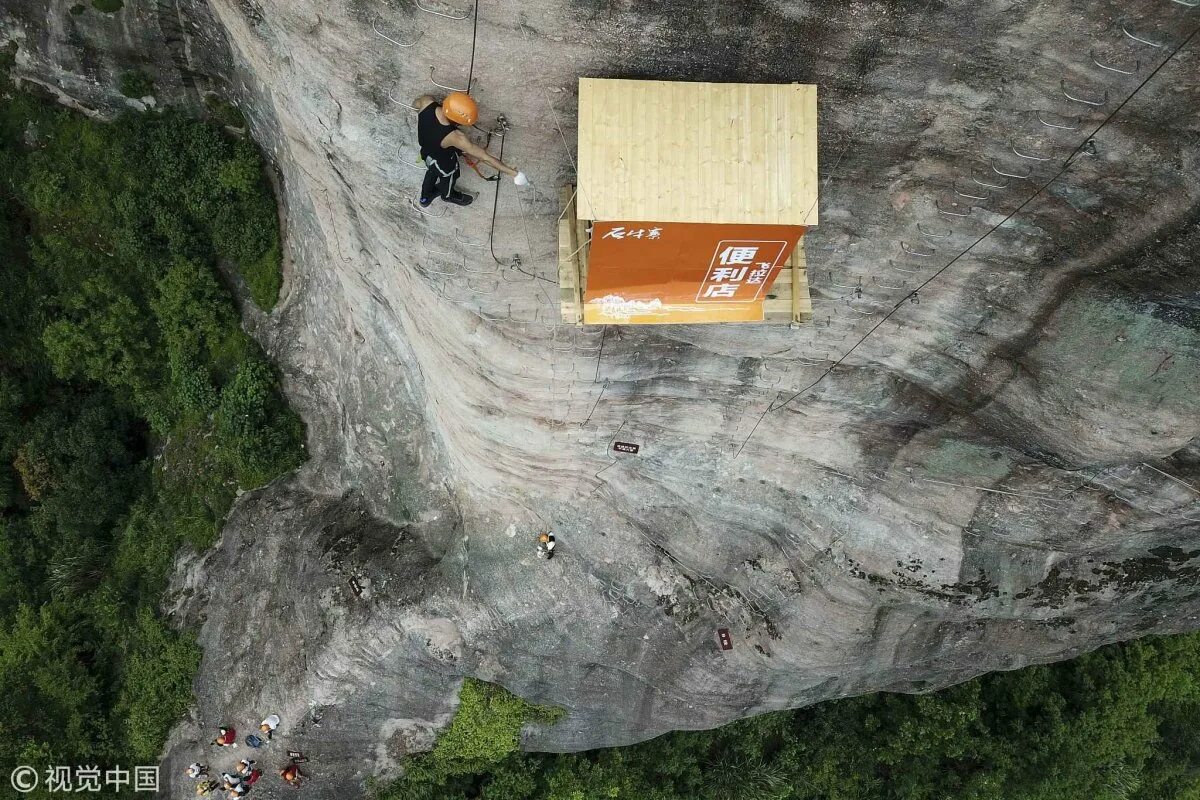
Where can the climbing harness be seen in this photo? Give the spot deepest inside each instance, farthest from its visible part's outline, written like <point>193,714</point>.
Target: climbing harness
<point>487,144</point>
<point>475,166</point>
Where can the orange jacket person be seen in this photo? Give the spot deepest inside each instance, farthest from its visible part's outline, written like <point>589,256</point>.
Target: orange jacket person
<point>442,142</point>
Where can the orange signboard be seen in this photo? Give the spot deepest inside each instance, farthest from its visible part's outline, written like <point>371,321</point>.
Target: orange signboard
<point>681,272</point>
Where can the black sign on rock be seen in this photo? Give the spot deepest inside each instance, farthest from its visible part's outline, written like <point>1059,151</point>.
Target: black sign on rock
<point>723,635</point>
<point>626,447</point>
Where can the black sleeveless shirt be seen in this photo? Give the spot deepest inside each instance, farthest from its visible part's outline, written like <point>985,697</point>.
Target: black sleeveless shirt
<point>431,132</point>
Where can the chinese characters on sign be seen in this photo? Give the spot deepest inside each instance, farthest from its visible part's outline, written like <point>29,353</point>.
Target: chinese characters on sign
<point>70,780</point>
<point>646,272</point>
<point>739,270</point>
<point>621,232</point>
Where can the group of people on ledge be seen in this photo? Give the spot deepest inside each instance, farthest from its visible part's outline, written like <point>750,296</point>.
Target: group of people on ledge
<point>245,774</point>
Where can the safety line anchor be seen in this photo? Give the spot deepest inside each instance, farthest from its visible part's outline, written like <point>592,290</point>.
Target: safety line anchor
<point>992,185</point>
<point>1012,143</point>
<point>1141,39</point>
<point>946,234</point>
<point>465,243</point>
<point>1087,101</point>
<point>904,246</point>
<point>951,212</point>
<point>417,206</point>
<point>985,196</point>
<point>433,80</point>
<point>437,13</point>
<point>1060,126</point>
<point>1016,175</point>
<point>375,25</point>
<point>411,108</point>
<point>1137,65</point>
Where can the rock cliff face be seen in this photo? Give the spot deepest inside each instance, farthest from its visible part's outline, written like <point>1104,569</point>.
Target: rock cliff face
<point>899,496</point>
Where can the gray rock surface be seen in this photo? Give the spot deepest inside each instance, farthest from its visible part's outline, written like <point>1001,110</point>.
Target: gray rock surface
<point>900,496</point>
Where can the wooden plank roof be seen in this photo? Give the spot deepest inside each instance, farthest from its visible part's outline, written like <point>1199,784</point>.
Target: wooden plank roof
<point>670,151</point>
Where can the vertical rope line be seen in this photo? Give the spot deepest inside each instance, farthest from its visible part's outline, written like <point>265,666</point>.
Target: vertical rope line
<point>474,39</point>
<point>495,208</point>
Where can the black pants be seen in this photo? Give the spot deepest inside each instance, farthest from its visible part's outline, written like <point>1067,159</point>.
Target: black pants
<point>438,182</point>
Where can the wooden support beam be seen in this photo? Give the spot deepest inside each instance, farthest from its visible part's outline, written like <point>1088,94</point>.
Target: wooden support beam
<point>788,301</point>
<point>801,300</point>
<point>583,243</point>
<point>570,278</point>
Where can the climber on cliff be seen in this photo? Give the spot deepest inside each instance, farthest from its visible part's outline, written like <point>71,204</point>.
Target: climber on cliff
<point>442,142</point>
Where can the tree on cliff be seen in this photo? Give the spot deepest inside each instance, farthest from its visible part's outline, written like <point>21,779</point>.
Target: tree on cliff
<point>132,410</point>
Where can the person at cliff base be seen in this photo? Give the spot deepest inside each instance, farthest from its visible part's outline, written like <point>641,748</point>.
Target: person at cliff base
<point>245,766</point>
<point>292,774</point>
<point>226,737</point>
<point>205,788</point>
<point>269,725</point>
<point>442,143</point>
<point>197,770</point>
<point>545,546</point>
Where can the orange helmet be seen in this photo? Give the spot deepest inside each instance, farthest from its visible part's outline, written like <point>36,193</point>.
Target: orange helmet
<point>460,108</point>
<point>545,537</point>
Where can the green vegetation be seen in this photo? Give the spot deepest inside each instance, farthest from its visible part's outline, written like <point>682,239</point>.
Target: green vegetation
<point>132,410</point>
<point>136,84</point>
<point>485,730</point>
<point>1117,724</point>
<point>224,112</point>
<point>108,6</point>
<point>78,9</point>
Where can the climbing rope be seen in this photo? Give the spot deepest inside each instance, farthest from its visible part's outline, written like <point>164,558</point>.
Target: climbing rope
<point>495,208</point>
<point>474,39</point>
<point>515,263</point>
